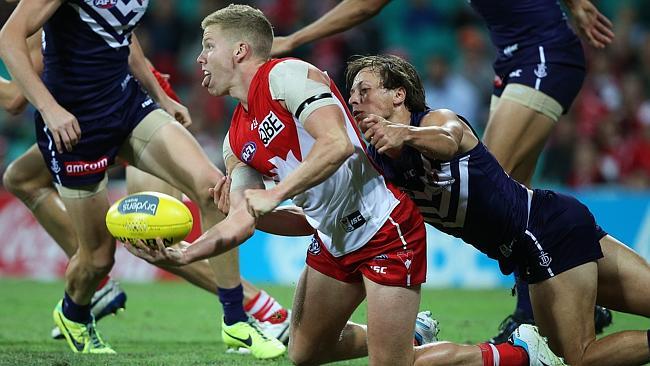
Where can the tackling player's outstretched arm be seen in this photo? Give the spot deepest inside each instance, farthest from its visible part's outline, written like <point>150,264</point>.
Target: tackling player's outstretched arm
<point>27,19</point>
<point>438,137</point>
<point>342,17</point>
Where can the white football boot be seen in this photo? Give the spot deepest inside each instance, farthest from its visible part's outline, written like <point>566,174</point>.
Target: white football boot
<point>277,326</point>
<point>527,337</point>
<point>426,329</point>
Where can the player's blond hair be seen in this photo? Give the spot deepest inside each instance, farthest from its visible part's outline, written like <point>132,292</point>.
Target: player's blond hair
<point>394,72</point>
<point>242,22</point>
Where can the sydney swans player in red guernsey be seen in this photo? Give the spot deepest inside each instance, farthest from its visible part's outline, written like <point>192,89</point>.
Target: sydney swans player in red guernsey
<point>292,125</point>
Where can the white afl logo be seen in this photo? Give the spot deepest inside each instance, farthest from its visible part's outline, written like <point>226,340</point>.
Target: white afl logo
<point>105,4</point>
<point>248,151</point>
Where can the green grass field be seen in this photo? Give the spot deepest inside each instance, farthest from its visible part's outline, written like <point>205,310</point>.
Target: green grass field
<point>176,324</point>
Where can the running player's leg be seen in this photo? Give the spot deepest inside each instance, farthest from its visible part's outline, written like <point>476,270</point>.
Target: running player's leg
<point>516,135</point>
<point>93,260</point>
<point>320,331</point>
<point>94,256</point>
<point>28,179</point>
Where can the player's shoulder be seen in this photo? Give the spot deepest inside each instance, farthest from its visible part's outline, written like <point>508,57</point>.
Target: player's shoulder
<point>291,67</point>
<point>437,117</point>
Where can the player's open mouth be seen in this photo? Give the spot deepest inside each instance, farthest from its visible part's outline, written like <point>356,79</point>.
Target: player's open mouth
<point>358,115</point>
<point>206,78</point>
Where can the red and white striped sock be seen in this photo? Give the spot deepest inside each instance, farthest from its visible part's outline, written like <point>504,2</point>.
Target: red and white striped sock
<point>263,307</point>
<point>504,354</point>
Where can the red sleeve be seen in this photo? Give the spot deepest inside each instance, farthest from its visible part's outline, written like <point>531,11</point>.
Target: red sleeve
<point>165,85</point>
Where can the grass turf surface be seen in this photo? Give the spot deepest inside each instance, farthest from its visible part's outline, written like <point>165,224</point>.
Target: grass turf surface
<point>177,324</point>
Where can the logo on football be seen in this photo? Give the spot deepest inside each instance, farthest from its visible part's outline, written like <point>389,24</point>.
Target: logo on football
<point>147,216</point>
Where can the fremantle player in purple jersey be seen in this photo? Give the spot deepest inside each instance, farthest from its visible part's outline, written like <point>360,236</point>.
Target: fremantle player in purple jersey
<point>538,73</point>
<point>90,110</point>
<point>461,189</point>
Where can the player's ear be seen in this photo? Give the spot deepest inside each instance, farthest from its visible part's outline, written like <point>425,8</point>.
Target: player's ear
<point>399,95</point>
<point>242,49</point>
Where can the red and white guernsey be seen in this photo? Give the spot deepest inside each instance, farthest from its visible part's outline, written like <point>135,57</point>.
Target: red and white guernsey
<point>350,206</point>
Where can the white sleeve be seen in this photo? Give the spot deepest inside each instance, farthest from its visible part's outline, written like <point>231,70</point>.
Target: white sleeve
<point>227,150</point>
<point>289,81</point>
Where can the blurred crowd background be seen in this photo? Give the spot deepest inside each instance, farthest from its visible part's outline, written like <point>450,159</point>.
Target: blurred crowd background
<point>603,140</point>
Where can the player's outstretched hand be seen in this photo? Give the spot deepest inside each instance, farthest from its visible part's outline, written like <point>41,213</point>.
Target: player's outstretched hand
<point>382,134</point>
<point>63,126</point>
<point>169,256</point>
<point>221,194</point>
<point>592,24</point>
<point>261,201</point>
<point>178,111</point>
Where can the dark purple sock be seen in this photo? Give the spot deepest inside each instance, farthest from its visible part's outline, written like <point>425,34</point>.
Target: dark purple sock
<point>75,312</point>
<point>524,307</point>
<point>232,300</point>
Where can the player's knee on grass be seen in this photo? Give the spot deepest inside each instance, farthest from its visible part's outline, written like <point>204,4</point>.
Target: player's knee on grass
<point>301,352</point>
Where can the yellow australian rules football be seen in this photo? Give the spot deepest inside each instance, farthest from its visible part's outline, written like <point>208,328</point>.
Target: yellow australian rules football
<point>149,215</point>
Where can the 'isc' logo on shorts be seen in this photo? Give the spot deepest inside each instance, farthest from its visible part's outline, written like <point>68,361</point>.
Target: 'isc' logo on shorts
<point>270,127</point>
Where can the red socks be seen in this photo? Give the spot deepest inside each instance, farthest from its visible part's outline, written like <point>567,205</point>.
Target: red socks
<point>504,354</point>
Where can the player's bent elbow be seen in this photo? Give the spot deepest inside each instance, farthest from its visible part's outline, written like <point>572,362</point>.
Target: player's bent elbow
<point>344,150</point>
<point>335,151</point>
<point>448,150</point>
